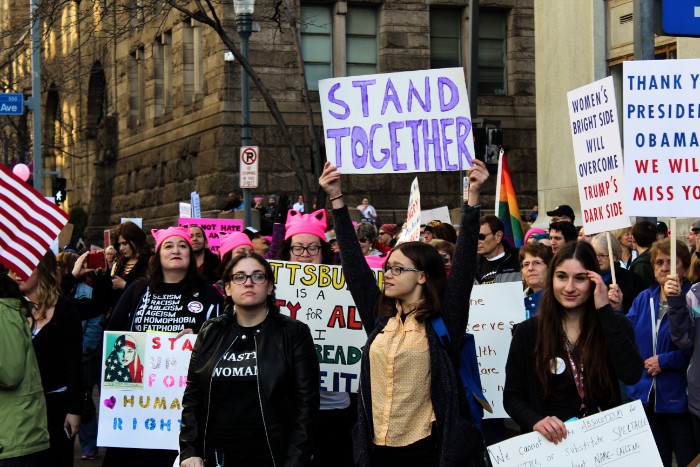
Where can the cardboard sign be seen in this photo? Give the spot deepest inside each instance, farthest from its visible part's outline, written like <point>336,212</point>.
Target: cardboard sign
<point>412,121</point>
<point>441,214</point>
<point>212,228</point>
<point>413,218</point>
<point>142,388</point>
<point>318,296</point>
<point>494,310</point>
<point>619,436</point>
<point>598,153</point>
<point>661,109</point>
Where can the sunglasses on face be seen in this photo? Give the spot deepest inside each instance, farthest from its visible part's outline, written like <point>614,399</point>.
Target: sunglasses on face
<point>363,240</point>
<point>483,236</point>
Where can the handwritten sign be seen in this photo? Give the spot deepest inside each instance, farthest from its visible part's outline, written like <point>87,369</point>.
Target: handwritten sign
<point>413,217</point>
<point>493,310</point>
<point>661,109</point>
<point>318,296</point>
<point>212,228</point>
<point>412,121</point>
<point>598,153</point>
<point>619,436</point>
<point>143,408</point>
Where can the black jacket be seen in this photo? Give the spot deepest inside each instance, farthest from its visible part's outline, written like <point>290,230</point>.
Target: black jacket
<point>288,385</point>
<point>459,442</point>
<point>209,266</point>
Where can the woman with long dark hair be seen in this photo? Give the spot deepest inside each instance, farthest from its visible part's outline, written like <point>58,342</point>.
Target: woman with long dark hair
<point>411,410</point>
<point>253,383</point>
<point>566,361</point>
<point>57,337</point>
<point>134,253</point>
<point>173,277</point>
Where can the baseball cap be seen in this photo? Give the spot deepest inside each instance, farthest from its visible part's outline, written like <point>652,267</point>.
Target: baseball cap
<point>662,228</point>
<point>562,210</point>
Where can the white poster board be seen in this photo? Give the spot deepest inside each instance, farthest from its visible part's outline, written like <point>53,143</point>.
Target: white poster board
<point>136,220</point>
<point>617,437</point>
<point>318,296</point>
<point>146,411</point>
<point>494,310</point>
<point>598,154</point>
<point>185,210</point>
<point>196,207</point>
<point>661,106</point>
<point>411,121</point>
<point>413,216</point>
<point>441,214</point>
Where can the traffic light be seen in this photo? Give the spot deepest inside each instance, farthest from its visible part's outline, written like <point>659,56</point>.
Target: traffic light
<point>59,189</point>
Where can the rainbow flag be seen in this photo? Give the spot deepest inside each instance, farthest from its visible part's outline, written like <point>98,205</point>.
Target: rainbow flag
<point>507,205</point>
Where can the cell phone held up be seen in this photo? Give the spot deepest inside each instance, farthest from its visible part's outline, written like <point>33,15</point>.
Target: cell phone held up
<point>96,259</point>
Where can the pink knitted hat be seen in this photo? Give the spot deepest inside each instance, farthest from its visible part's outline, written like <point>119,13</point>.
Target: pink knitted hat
<point>163,234</point>
<point>232,241</point>
<point>533,231</point>
<point>314,224</point>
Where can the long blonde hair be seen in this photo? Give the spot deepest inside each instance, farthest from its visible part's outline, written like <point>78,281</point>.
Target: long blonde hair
<point>47,287</point>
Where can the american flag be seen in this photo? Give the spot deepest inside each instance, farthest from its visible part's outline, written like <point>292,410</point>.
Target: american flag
<point>29,223</point>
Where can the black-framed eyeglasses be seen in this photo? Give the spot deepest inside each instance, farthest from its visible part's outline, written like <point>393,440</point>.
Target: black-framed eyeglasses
<point>257,278</point>
<point>397,270</point>
<point>483,236</point>
<point>312,250</point>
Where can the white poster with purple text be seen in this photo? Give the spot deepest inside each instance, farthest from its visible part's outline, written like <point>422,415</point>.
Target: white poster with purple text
<point>411,121</point>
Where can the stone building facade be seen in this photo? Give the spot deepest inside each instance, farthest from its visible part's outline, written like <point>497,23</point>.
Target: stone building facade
<point>141,106</point>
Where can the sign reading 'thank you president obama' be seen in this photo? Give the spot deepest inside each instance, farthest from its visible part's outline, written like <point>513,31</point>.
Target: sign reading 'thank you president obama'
<point>412,121</point>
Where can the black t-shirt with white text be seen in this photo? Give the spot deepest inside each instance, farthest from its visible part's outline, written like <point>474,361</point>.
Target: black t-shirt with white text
<point>172,310</point>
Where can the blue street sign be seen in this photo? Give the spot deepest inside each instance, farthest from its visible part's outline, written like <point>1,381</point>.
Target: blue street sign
<point>681,17</point>
<point>11,104</point>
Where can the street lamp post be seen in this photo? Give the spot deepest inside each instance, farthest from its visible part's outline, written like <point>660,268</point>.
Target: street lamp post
<point>244,20</point>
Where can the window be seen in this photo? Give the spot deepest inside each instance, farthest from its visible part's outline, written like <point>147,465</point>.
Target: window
<point>361,41</point>
<point>193,76</point>
<point>162,74</point>
<point>137,86</point>
<point>445,38</point>
<point>316,43</point>
<point>492,52</point>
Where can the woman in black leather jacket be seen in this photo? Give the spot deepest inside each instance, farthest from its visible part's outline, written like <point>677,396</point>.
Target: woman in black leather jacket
<point>252,393</point>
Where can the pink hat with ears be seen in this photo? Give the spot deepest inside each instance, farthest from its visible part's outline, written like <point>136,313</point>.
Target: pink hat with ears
<point>314,224</point>
<point>232,241</point>
<point>163,234</point>
<point>376,261</point>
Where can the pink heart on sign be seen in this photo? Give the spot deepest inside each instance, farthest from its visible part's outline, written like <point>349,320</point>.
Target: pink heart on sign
<point>110,402</point>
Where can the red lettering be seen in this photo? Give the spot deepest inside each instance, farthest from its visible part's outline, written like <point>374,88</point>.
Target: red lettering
<point>187,345</point>
<point>352,323</point>
<point>156,343</point>
<point>337,315</point>
<point>172,342</point>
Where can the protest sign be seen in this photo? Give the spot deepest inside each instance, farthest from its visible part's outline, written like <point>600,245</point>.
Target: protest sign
<point>412,121</point>
<point>494,310</point>
<point>598,155</point>
<point>413,217</point>
<point>212,228</point>
<point>185,210</point>
<point>143,379</point>
<point>317,295</point>
<point>620,436</point>
<point>441,214</point>
<point>136,220</point>
<point>661,109</point>
<point>196,208</point>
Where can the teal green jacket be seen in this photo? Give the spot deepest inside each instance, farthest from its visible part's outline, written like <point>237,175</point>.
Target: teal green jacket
<point>22,405</point>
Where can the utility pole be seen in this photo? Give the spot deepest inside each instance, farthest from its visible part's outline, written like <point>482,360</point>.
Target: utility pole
<point>35,101</point>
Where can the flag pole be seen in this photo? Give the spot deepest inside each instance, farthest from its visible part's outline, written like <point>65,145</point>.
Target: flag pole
<point>498,182</point>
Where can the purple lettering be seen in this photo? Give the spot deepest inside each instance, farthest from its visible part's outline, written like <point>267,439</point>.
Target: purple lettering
<point>464,126</point>
<point>341,103</point>
<point>338,134</point>
<point>412,91</point>
<point>390,96</point>
<point>454,94</point>
<point>444,123</point>
<point>434,142</point>
<point>359,136</point>
<point>372,161</point>
<point>363,93</point>
<point>413,125</point>
<point>394,145</point>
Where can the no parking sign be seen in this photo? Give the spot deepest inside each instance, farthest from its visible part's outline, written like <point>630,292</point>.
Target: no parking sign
<point>249,167</point>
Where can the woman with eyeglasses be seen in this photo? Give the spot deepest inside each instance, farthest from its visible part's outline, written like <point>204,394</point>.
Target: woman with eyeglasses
<point>410,409</point>
<point>174,297</point>
<point>683,319</point>
<point>534,264</point>
<point>566,361</point>
<point>663,386</point>
<point>628,284</point>
<point>253,382</point>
